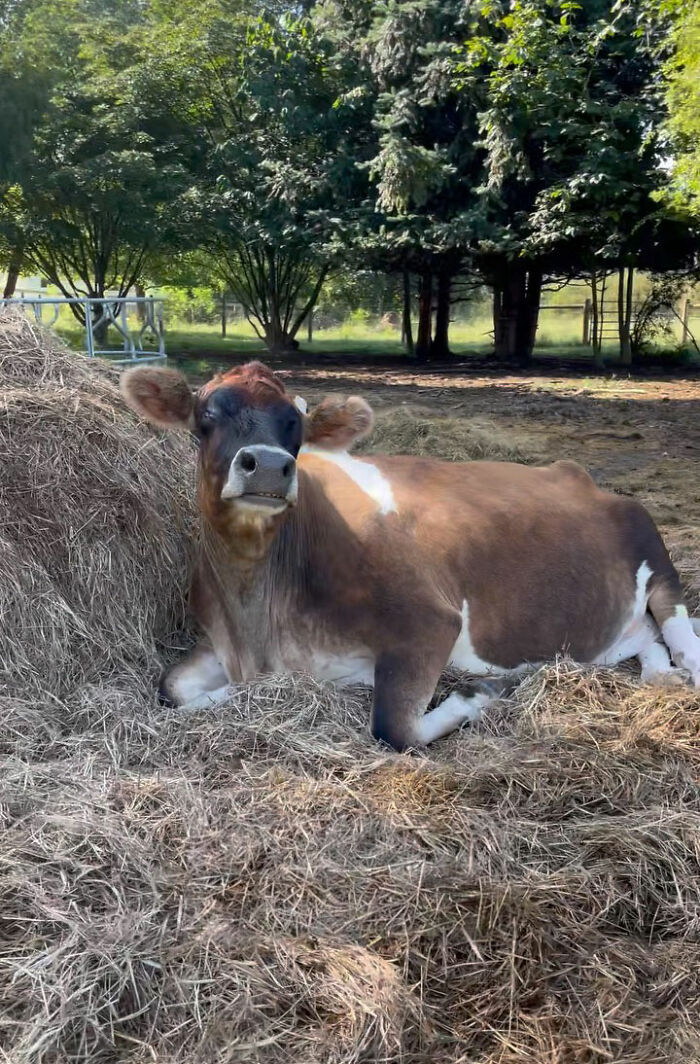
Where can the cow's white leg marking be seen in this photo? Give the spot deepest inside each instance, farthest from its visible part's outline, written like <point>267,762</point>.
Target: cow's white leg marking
<point>455,710</point>
<point>201,671</point>
<point>209,699</point>
<point>464,656</point>
<point>655,661</point>
<point>680,638</point>
<point>367,476</point>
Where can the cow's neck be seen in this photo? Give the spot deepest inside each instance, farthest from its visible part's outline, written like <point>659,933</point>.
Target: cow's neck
<point>234,610</point>
<point>263,577</point>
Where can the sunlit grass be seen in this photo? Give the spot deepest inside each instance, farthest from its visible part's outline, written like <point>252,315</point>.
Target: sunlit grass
<point>559,336</point>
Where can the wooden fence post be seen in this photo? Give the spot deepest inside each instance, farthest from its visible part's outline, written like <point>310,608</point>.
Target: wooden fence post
<point>587,322</point>
<point>224,310</point>
<point>310,325</point>
<point>685,314</point>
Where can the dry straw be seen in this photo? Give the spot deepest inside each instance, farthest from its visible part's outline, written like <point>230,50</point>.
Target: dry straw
<point>261,882</point>
<point>417,431</point>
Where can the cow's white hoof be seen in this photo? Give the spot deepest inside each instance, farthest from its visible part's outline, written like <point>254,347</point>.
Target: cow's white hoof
<point>666,678</point>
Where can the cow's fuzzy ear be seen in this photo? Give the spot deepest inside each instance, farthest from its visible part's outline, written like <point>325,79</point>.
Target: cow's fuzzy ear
<point>339,422</point>
<point>161,396</point>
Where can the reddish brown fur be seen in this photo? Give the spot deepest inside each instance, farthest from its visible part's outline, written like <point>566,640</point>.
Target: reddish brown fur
<point>339,422</point>
<point>161,395</point>
<point>254,378</point>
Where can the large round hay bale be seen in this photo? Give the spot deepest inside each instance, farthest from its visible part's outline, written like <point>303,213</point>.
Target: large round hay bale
<point>95,522</point>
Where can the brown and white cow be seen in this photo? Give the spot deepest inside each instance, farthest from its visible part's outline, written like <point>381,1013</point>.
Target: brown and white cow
<point>382,570</point>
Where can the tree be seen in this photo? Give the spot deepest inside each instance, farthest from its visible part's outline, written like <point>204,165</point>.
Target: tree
<point>427,164</point>
<point>24,91</point>
<point>274,161</point>
<point>97,190</point>
<point>573,125</point>
<point>683,71</point>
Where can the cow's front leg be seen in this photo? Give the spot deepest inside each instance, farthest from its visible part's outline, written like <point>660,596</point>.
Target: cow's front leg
<point>197,681</point>
<point>404,683</point>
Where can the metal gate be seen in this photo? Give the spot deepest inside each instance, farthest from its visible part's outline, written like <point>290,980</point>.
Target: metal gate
<point>135,319</point>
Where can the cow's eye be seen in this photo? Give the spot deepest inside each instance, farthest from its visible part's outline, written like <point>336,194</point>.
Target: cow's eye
<point>206,419</point>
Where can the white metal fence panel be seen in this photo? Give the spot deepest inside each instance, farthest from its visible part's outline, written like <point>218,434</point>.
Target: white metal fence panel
<point>134,318</point>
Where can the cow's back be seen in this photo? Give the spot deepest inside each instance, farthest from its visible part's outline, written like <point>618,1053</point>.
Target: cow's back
<point>535,559</point>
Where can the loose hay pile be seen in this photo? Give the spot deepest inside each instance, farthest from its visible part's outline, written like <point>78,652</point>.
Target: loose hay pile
<point>95,516</point>
<point>403,431</point>
<point>261,882</point>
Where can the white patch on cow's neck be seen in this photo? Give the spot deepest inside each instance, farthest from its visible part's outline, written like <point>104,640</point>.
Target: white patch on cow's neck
<point>464,655</point>
<point>367,477</point>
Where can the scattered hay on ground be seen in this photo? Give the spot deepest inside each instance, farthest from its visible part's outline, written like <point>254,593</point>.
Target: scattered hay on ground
<point>403,431</point>
<point>261,882</point>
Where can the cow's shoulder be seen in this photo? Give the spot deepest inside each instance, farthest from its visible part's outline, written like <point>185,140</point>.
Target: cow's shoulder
<point>357,486</point>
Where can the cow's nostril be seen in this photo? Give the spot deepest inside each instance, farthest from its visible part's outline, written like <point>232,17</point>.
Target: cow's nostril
<point>287,469</point>
<point>248,463</point>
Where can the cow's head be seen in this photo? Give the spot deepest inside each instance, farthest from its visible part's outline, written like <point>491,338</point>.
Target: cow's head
<point>249,431</point>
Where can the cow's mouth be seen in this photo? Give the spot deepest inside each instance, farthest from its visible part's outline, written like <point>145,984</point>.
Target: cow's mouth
<point>263,500</point>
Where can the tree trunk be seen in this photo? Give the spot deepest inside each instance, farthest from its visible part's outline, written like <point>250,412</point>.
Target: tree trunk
<point>601,316</point>
<point>528,314</point>
<point>516,306</point>
<point>497,318</point>
<point>13,269</point>
<point>406,327</point>
<point>425,315</point>
<point>277,341</point>
<point>623,318</point>
<point>595,337</point>
<point>307,311</point>
<point>440,345</point>
<point>99,331</point>
<point>508,295</point>
<point>628,307</point>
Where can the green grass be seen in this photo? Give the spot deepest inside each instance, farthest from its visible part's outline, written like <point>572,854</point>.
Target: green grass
<point>559,337</point>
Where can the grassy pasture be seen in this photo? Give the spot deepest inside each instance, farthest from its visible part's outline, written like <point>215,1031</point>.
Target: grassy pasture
<point>559,333</point>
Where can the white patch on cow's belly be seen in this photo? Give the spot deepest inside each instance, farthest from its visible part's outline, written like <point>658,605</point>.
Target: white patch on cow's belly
<point>343,669</point>
<point>464,655</point>
<point>367,477</point>
<point>638,632</point>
